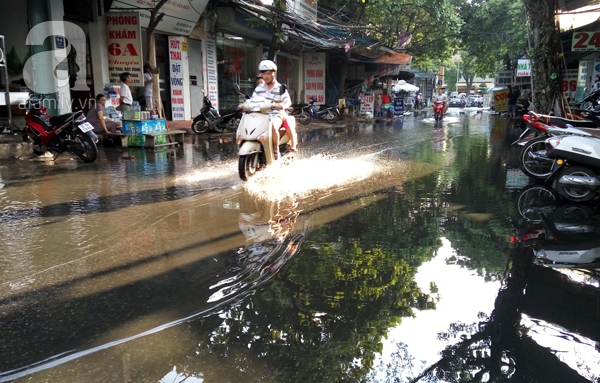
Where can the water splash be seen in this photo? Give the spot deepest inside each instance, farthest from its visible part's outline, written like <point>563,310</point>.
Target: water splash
<point>303,177</point>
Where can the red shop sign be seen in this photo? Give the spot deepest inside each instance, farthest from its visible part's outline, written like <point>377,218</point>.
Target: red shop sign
<point>585,41</point>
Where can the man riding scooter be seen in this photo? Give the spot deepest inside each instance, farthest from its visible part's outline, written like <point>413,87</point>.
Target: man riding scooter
<point>270,89</point>
<point>441,97</point>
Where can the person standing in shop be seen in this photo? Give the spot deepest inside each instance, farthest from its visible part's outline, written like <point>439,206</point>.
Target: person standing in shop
<point>126,99</point>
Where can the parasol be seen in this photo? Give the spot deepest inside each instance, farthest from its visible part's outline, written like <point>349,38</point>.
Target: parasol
<point>404,86</point>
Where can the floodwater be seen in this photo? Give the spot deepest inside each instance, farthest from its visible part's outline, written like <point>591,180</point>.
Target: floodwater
<point>381,253</point>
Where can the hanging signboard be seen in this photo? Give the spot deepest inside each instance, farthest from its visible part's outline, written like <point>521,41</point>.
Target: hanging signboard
<point>124,47</point>
<point>585,41</point>
<point>176,77</point>
<point>314,75</point>
<point>304,8</point>
<point>523,67</point>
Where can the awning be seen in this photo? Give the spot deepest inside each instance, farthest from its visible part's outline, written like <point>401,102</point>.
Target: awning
<point>394,58</point>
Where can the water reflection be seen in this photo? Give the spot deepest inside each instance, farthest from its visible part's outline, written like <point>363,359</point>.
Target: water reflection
<point>300,275</point>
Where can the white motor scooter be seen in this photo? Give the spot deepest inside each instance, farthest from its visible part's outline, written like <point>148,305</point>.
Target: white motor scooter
<point>576,166</point>
<point>255,136</point>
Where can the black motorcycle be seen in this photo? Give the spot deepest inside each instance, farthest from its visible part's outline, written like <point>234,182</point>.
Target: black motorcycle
<point>301,112</point>
<point>328,113</point>
<point>210,119</point>
<point>590,102</point>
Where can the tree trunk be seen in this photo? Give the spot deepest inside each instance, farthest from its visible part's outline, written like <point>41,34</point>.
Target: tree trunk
<point>545,53</point>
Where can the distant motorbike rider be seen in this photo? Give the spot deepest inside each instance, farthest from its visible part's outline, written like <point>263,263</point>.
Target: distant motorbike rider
<point>270,89</point>
<point>442,97</point>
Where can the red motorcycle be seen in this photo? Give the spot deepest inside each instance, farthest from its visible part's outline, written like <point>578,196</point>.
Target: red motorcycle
<point>65,133</point>
<point>438,110</point>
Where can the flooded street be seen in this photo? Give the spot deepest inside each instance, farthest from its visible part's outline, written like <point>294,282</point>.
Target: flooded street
<point>382,253</point>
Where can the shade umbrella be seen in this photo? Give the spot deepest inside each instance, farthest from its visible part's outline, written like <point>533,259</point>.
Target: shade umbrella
<point>404,86</point>
<point>492,89</point>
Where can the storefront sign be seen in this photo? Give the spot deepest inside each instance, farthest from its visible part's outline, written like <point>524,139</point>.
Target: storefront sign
<point>180,16</point>
<point>212,80</point>
<point>523,67</point>
<point>124,47</point>
<point>569,83</point>
<point>314,76</point>
<point>367,103</point>
<point>585,41</point>
<point>501,100</point>
<point>595,73</point>
<point>176,77</point>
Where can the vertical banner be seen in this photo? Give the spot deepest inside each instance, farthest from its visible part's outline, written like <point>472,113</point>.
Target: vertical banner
<point>595,74</point>
<point>314,76</point>
<point>582,76</point>
<point>211,70</point>
<point>176,77</point>
<point>124,47</point>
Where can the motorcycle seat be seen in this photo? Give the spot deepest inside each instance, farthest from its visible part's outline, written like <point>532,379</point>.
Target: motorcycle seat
<point>224,112</point>
<point>303,105</point>
<point>64,118</point>
<point>553,120</point>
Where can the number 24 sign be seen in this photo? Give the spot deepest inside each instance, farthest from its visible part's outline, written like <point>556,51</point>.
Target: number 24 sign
<point>586,41</point>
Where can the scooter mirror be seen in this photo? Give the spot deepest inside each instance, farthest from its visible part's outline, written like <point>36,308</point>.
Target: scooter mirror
<point>236,88</point>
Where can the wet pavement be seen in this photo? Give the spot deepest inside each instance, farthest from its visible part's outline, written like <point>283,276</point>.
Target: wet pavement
<point>381,253</point>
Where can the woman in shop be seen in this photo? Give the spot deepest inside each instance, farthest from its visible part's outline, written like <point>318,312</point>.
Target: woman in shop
<point>96,117</point>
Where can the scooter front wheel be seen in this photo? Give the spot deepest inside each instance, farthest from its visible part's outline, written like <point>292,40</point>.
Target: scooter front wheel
<point>248,166</point>
<point>575,193</point>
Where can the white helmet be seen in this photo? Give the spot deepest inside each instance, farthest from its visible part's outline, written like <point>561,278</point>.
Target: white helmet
<point>267,65</point>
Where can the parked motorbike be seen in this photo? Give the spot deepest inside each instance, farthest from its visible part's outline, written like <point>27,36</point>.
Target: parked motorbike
<point>532,159</point>
<point>330,114</point>
<point>210,119</point>
<point>254,136</point>
<point>576,166</point>
<point>438,110</point>
<point>567,237</point>
<point>302,112</point>
<point>65,133</point>
<point>590,102</point>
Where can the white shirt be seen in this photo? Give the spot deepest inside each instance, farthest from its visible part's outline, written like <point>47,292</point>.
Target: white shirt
<point>273,94</point>
<point>147,87</point>
<point>125,92</point>
<point>440,97</point>
<point>596,86</point>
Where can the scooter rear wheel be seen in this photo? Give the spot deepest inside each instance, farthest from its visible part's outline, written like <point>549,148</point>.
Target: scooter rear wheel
<point>91,150</point>
<point>539,170</point>
<point>200,126</point>
<point>573,192</point>
<point>248,166</point>
<point>303,118</point>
